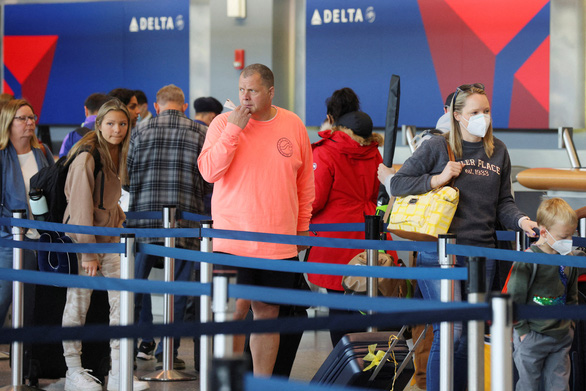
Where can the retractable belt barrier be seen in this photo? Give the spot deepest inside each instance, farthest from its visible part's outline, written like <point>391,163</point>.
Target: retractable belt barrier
<point>382,311</point>
<point>294,297</point>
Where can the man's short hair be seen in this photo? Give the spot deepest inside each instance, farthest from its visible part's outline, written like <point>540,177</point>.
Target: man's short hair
<point>140,97</point>
<point>556,211</point>
<point>95,101</point>
<point>266,75</point>
<point>124,94</point>
<point>170,93</point>
<point>208,105</point>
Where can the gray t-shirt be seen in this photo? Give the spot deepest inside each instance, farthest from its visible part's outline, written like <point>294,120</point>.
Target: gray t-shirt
<point>484,184</point>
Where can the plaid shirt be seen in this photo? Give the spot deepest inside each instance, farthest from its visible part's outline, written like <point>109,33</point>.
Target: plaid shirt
<point>162,168</point>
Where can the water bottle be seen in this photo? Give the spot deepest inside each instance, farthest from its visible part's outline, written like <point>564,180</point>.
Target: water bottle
<point>38,203</point>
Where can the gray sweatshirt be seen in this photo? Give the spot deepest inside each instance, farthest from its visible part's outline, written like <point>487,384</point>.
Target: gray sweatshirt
<point>484,184</point>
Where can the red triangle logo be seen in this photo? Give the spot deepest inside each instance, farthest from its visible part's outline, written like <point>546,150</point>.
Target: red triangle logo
<point>29,59</point>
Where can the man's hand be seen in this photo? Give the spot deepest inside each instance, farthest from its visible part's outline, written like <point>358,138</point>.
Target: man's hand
<point>91,267</point>
<point>300,247</point>
<point>240,116</point>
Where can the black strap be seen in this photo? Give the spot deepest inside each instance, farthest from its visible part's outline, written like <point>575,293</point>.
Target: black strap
<point>101,205</point>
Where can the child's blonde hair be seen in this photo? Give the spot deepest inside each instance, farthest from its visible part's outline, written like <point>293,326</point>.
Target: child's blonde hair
<point>556,211</point>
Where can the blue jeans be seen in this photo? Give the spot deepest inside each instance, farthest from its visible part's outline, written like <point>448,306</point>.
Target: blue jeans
<point>183,269</point>
<point>430,289</point>
<point>29,263</point>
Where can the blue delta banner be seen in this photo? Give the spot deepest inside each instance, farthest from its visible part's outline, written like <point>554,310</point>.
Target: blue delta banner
<point>434,46</point>
<point>56,55</point>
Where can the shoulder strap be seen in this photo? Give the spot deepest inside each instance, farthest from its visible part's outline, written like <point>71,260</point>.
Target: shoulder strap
<point>450,152</point>
<point>97,169</point>
<point>453,159</point>
<point>82,131</point>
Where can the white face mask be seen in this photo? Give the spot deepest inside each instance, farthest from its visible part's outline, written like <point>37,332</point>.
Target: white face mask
<point>478,124</point>
<point>563,247</point>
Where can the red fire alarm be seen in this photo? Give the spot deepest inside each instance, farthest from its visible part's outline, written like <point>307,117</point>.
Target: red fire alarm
<point>239,59</point>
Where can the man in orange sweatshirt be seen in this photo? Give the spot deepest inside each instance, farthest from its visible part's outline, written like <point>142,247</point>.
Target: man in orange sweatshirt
<point>260,161</point>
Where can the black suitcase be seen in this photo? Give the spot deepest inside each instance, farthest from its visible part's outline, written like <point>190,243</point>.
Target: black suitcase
<point>45,360</point>
<point>344,366</point>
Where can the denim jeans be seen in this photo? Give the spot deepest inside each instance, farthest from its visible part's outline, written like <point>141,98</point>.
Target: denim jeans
<point>144,264</point>
<point>430,289</point>
<point>29,263</point>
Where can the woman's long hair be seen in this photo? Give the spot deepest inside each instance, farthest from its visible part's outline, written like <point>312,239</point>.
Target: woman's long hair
<point>454,137</point>
<point>7,117</point>
<point>95,140</point>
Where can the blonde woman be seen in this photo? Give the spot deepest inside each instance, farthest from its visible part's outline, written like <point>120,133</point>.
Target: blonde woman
<point>86,207</point>
<point>21,157</point>
<point>481,171</point>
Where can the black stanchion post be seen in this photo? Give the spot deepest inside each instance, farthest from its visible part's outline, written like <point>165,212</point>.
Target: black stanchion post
<point>205,344</point>
<point>476,294</point>
<point>127,312</point>
<point>227,371</point>
<point>17,353</point>
<point>372,226</point>
<point>168,373</point>
<point>446,261</point>
<point>501,352</point>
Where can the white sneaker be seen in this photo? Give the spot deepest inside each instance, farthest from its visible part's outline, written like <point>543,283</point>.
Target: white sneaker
<point>114,383</point>
<point>81,380</point>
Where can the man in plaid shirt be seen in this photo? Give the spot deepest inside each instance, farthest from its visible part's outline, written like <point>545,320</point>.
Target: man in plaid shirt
<point>162,170</point>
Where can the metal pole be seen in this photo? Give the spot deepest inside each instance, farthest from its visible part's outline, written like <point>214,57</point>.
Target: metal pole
<point>519,241</point>
<point>476,294</point>
<point>168,373</point>
<point>409,131</point>
<point>582,228</point>
<point>205,344</point>
<point>17,353</point>
<point>565,134</point>
<point>372,226</point>
<point>501,334</point>
<point>227,370</point>
<point>446,328</point>
<point>127,312</point>
<point>223,308</point>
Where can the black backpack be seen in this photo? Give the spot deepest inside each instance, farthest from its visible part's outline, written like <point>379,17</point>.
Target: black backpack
<point>51,181</point>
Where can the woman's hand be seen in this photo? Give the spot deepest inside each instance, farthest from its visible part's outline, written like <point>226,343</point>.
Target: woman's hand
<point>451,170</point>
<point>91,267</point>
<point>383,173</point>
<point>527,225</point>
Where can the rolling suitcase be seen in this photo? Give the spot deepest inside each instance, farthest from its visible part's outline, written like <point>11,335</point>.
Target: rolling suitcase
<point>45,360</point>
<point>344,366</point>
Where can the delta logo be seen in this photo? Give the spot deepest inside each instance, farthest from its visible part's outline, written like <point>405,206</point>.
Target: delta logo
<point>342,15</point>
<point>156,23</point>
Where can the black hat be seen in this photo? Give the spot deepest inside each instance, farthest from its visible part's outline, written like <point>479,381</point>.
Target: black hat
<point>358,121</point>
<point>209,104</point>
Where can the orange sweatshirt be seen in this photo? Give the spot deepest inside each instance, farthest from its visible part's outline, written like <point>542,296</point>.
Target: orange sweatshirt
<point>263,181</point>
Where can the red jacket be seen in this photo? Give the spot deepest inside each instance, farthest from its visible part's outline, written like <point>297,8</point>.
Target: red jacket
<point>346,188</point>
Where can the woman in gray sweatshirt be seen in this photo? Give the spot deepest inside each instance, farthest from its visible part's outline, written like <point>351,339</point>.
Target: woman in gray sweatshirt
<point>481,170</point>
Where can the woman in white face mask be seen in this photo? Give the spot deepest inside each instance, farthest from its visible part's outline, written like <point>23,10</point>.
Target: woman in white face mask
<point>481,171</point>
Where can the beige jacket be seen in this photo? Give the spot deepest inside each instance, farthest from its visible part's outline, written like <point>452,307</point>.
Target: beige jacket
<point>83,198</point>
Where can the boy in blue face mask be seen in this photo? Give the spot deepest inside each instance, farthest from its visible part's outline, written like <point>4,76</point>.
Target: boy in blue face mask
<point>541,346</point>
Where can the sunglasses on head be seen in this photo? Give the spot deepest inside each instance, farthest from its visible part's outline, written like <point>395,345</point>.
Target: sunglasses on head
<point>466,87</point>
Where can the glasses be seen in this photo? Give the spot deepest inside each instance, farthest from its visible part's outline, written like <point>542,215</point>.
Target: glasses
<point>466,87</point>
<point>24,119</point>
